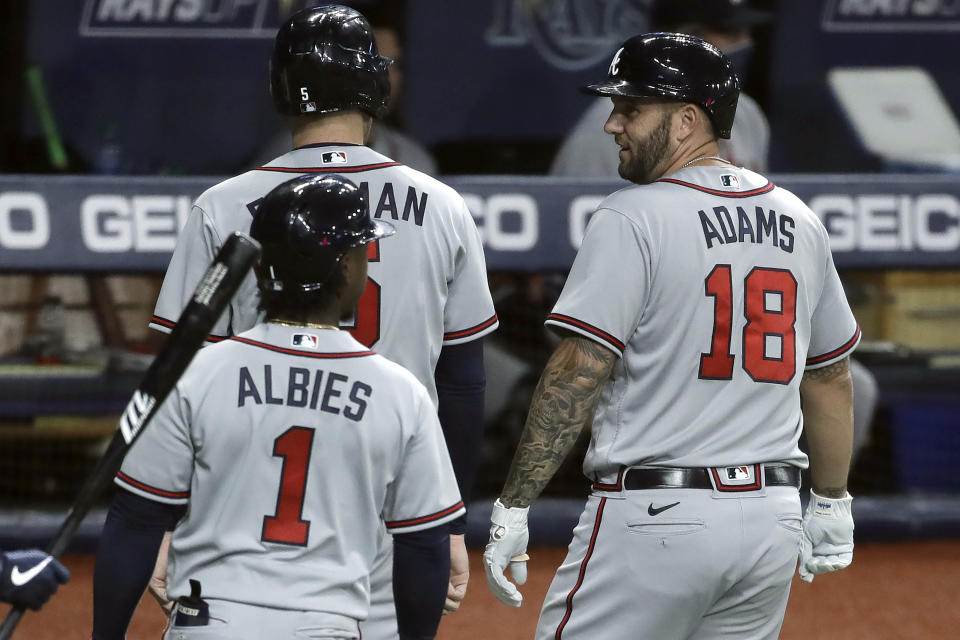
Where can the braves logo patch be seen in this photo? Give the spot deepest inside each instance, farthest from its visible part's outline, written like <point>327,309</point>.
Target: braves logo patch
<point>305,341</point>
<point>334,157</point>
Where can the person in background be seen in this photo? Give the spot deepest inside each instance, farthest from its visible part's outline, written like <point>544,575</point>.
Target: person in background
<point>588,152</point>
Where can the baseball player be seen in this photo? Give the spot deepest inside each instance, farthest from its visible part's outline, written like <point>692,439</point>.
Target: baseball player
<point>726,24</point>
<point>426,304</point>
<point>703,303</point>
<point>28,578</point>
<point>289,444</point>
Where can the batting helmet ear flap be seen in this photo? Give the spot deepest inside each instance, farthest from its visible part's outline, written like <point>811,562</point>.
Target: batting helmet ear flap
<point>676,66</point>
<point>326,59</point>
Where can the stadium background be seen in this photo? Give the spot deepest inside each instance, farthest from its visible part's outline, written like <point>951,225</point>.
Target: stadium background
<point>116,113</point>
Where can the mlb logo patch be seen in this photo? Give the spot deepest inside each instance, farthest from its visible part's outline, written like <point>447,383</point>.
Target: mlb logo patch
<point>737,479</point>
<point>306,341</point>
<point>730,181</point>
<point>738,473</point>
<point>308,107</point>
<point>334,157</point>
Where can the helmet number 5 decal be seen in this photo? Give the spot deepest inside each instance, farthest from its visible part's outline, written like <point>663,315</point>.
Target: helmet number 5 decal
<point>304,95</point>
<point>366,324</point>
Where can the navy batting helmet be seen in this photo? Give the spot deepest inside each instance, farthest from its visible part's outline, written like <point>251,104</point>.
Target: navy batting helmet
<point>326,59</point>
<point>305,225</point>
<point>676,66</point>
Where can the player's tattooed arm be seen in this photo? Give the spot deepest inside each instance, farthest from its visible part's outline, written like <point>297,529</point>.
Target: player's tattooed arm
<point>828,422</point>
<point>564,401</point>
<point>831,372</point>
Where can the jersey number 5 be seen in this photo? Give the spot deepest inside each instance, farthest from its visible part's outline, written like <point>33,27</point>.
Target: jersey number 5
<point>366,321</point>
<point>769,339</point>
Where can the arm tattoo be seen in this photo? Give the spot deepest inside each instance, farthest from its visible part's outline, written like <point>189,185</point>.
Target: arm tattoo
<point>564,400</point>
<point>830,372</point>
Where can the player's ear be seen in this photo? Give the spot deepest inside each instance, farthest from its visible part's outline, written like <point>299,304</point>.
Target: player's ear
<point>687,119</point>
<point>354,266</point>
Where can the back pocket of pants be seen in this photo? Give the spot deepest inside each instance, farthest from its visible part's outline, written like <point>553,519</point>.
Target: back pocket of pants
<point>661,528</point>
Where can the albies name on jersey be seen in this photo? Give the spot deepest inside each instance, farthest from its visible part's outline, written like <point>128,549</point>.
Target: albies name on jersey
<point>329,391</point>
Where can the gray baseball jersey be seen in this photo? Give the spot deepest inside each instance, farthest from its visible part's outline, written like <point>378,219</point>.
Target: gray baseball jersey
<point>589,152</point>
<point>717,288</point>
<point>290,445</point>
<point>427,286</point>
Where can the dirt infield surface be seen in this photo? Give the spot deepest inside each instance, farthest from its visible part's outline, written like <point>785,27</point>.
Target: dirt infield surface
<point>901,591</point>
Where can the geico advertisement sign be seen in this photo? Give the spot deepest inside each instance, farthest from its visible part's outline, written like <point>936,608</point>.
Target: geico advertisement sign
<point>890,222</point>
<point>509,222</point>
<point>109,223</point>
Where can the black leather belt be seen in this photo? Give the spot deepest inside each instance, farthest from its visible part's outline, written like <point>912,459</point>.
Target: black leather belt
<point>682,478</point>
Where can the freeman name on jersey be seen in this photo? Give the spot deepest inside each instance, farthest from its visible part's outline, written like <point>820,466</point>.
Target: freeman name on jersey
<point>415,202</point>
<point>306,388</point>
<point>764,226</point>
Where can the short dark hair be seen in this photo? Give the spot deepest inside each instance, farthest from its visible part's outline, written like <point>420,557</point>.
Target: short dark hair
<point>293,304</point>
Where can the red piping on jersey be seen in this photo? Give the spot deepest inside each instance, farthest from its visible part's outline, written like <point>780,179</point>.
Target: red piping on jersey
<point>145,487</point>
<point>170,324</point>
<point>836,352</point>
<point>295,352</point>
<point>733,488</point>
<point>583,569</point>
<point>600,333</point>
<point>727,194</point>
<point>472,330</point>
<point>424,519</point>
<point>356,169</point>
<point>617,486</point>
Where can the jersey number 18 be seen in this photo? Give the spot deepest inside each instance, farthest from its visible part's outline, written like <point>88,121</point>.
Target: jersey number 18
<point>770,309</point>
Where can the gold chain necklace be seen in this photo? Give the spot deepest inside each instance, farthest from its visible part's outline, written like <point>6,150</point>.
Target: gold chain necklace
<point>305,324</point>
<point>705,158</point>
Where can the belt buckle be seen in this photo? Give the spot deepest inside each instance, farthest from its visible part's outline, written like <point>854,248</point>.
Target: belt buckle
<point>737,479</point>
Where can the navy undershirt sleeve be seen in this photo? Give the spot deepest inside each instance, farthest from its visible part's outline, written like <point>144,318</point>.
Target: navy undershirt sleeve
<point>125,559</point>
<point>421,573</point>
<point>461,383</point>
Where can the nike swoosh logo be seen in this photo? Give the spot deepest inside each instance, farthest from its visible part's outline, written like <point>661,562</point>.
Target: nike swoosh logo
<point>19,579</point>
<point>658,510</point>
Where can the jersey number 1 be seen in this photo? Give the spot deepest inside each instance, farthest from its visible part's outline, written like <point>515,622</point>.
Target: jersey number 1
<point>366,321</point>
<point>770,309</point>
<point>286,525</point>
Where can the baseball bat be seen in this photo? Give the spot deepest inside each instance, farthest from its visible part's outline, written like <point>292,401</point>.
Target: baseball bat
<point>210,298</point>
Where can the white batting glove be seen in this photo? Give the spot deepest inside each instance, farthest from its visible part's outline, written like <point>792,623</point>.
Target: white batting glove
<point>507,546</point>
<point>827,536</point>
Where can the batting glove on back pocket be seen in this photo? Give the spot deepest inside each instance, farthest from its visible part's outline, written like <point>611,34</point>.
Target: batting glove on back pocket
<point>507,546</point>
<point>827,543</point>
